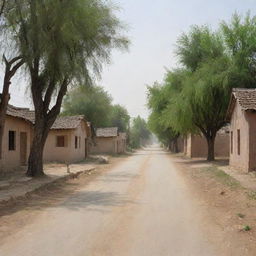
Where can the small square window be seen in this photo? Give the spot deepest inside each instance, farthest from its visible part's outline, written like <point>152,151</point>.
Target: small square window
<point>12,140</point>
<point>60,142</point>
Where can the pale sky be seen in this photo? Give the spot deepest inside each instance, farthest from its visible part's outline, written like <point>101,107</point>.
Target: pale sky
<point>154,27</point>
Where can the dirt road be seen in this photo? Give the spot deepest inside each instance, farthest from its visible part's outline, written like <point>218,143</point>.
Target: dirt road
<point>141,207</point>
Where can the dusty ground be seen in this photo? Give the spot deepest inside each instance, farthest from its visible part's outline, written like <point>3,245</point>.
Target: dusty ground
<point>225,203</point>
<point>148,204</point>
<point>16,215</point>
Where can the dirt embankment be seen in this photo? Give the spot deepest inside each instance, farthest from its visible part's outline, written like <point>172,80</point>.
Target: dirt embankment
<point>226,203</point>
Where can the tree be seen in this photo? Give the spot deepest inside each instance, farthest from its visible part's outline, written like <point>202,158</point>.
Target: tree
<point>120,118</point>
<point>93,102</point>
<point>240,42</point>
<point>139,132</point>
<point>161,98</point>
<point>62,42</point>
<point>203,100</point>
<point>12,64</point>
<point>218,61</point>
<point>215,62</point>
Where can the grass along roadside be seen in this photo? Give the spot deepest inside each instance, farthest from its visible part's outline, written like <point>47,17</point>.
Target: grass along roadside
<point>222,177</point>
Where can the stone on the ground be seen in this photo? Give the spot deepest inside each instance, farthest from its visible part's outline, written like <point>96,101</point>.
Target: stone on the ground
<point>103,160</point>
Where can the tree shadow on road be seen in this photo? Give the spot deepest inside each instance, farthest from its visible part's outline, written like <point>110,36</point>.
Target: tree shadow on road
<point>65,195</point>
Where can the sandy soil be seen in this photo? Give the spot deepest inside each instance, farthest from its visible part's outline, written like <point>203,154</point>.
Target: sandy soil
<point>146,204</point>
<point>225,204</point>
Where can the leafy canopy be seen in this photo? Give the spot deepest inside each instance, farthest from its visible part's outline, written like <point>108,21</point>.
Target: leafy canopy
<point>139,132</point>
<point>91,101</point>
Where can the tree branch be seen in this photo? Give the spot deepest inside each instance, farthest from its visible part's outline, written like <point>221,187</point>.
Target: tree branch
<point>48,94</point>
<point>2,7</point>
<point>62,92</point>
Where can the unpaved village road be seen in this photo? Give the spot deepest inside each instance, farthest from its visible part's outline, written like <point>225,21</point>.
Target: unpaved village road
<point>141,207</point>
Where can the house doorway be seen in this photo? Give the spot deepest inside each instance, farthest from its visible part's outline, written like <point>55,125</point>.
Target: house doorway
<point>85,148</point>
<point>23,148</point>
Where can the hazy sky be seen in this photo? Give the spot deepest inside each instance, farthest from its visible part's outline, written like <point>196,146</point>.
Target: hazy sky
<point>153,30</point>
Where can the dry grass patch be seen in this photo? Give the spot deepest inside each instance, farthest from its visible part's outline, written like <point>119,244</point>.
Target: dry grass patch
<point>222,177</point>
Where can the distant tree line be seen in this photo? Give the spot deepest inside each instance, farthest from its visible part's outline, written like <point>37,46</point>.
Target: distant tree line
<point>96,105</point>
<point>194,97</point>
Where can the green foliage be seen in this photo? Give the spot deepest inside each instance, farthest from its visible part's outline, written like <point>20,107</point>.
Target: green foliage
<point>198,45</point>
<point>139,133</point>
<point>96,105</point>
<point>93,102</point>
<point>161,99</point>
<point>195,98</point>
<point>120,118</point>
<point>247,228</point>
<point>240,40</point>
<point>65,38</point>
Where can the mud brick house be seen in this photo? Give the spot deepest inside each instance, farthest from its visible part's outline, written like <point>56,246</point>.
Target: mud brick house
<point>67,140</point>
<point>109,141</point>
<point>242,117</point>
<point>196,145</point>
<point>16,138</point>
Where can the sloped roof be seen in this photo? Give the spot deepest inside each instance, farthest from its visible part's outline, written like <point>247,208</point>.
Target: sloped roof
<point>246,98</point>
<point>23,113</point>
<point>107,132</point>
<point>67,122</point>
<point>62,122</point>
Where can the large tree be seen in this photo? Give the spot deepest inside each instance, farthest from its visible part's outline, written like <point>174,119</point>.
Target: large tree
<point>62,42</point>
<point>93,102</point>
<point>240,43</point>
<point>214,63</point>
<point>218,61</point>
<point>203,100</point>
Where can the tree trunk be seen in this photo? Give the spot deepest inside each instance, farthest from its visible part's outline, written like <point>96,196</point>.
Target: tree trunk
<point>211,152</point>
<point>170,145</point>
<point>35,161</point>
<point>3,109</point>
<point>175,145</point>
<point>11,68</point>
<point>44,119</point>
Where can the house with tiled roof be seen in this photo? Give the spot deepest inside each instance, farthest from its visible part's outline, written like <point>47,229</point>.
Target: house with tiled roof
<point>109,141</point>
<point>67,140</point>
<point>242,117</point>
<point>17,138</point>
